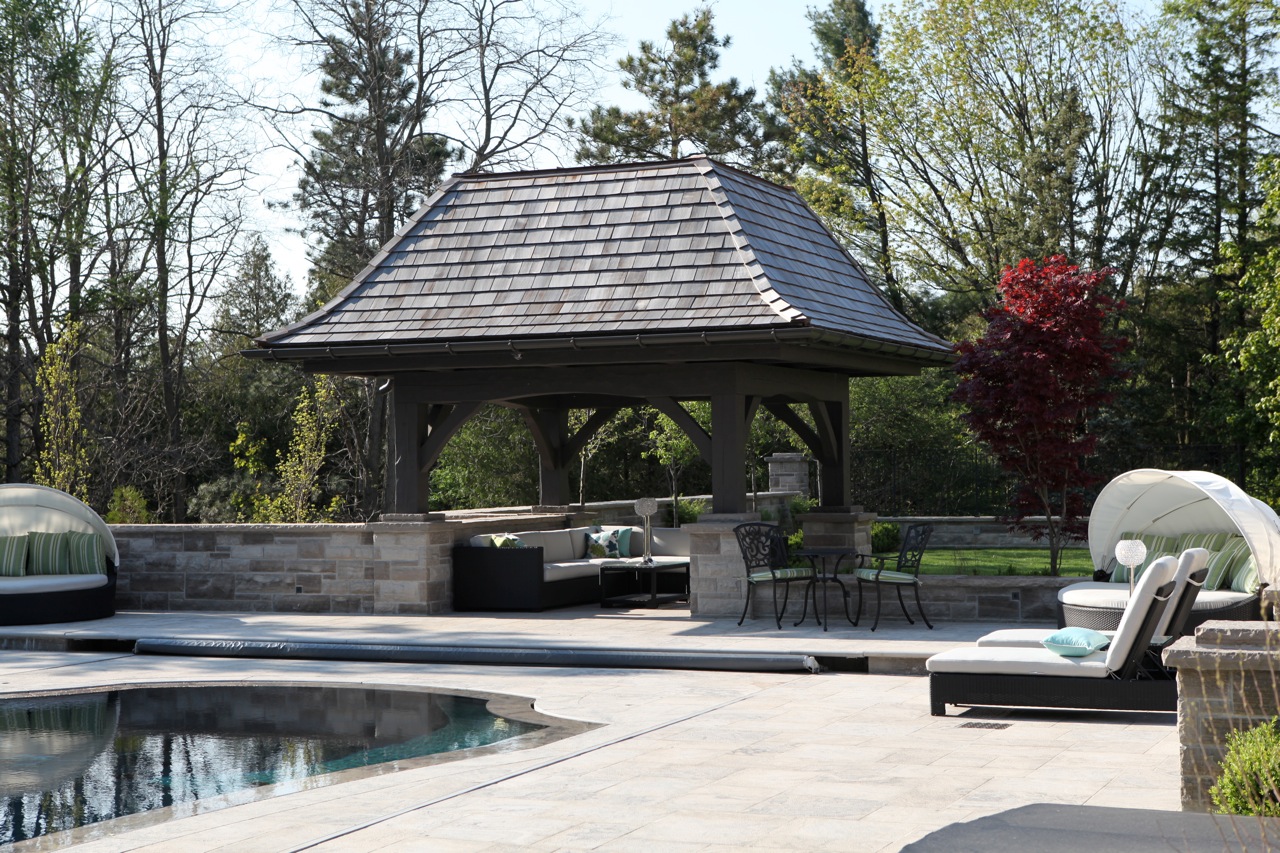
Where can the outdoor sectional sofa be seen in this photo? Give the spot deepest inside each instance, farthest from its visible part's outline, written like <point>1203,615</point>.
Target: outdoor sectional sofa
<point>548,568</point>
<point>69,576</point>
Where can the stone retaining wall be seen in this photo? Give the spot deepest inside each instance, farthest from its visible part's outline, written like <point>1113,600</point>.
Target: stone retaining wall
<point>1228,678</point>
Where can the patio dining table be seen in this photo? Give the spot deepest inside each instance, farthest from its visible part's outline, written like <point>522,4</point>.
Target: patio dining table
<point>826,569</point>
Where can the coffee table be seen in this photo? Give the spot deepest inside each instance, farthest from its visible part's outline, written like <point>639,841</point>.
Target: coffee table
<point>636,566</point>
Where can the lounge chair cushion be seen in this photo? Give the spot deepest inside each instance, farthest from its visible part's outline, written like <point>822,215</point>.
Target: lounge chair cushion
<point>1075,642</point>
<point>47,554</point>
<point>1018,661</point>
<point>13,556</point>
<point>50,583</point>
<point>1160,572</point>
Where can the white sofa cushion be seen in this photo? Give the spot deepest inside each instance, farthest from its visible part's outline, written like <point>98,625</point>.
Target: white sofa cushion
<point>568,570</point>
<point>1022,660</point>
<point>50,583</point>
<point>667,542</point>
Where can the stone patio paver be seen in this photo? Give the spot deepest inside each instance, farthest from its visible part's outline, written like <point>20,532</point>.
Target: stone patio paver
<point>707,761</point>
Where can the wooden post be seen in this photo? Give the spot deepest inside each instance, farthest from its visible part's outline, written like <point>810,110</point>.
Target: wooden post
<point>729,424</point>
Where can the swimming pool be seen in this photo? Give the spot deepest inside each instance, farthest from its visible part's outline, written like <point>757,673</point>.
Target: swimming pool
<point>72,760</point>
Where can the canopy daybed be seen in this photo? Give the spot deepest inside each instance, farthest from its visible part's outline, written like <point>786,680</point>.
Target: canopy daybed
<point>1172,511</point>
<point>69,577</point>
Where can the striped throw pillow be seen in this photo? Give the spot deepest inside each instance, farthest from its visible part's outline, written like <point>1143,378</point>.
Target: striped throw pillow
<point>1245,578</point>
<point>85,553</point>
<point>1207,541</point>
<point>47,553</point>
<point>13,556</point>
<point>1224,564</point>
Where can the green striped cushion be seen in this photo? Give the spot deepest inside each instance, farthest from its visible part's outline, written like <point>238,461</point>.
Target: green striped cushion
<point>1224,564</point>
<point>85,551</point>
<point>886,576</point>
<point>1121,574</point>
<point>13,556</point>
<point>1207,541</point>
<point>47,553</point>
<point>790,574</point>
<point>1245,578</point>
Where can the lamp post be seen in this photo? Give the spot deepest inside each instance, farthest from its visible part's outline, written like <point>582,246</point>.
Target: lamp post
<point>1130,553</point>
<point>646,507</point>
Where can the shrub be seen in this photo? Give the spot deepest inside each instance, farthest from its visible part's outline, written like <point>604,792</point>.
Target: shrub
<point>885,537</point>
<point>799,505</point>
<point>127,506</point>
<point>1250,780</point>
<point>689,511</point>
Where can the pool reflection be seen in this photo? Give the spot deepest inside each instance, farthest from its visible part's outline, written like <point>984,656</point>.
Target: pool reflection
<point>71,761</point>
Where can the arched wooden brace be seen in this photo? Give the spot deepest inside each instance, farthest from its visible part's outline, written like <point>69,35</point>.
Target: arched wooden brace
<point>418,434</point>
<point>725,449</point>
<point>827,443</point>
<point>558,449</point>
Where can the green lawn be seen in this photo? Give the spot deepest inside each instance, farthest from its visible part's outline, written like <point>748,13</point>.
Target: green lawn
<point>1004,561</point>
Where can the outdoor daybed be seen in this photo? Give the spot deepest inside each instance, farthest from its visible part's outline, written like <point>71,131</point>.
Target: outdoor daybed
<point>541,569</point>
<point>1109,678</point>
<point>69,576</point>
<point>1171,511</point>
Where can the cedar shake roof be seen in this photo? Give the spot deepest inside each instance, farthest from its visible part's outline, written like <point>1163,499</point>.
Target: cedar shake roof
<point>649,248</point>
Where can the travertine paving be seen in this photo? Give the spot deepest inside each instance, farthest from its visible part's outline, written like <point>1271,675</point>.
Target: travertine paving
<point>682,760</point>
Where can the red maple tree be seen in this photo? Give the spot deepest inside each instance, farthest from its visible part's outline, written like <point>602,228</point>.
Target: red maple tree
<point>1030,383</point>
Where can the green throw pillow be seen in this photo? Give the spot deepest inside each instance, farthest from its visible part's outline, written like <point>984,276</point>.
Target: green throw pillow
<point>85,552</point>
<point>13,556</point>
<point>1207,541</point>
<point>506,540</point>
<point>1245,578</point>
<point>1075,642</point>
<point>1224,564</point>
<point>47,553</point>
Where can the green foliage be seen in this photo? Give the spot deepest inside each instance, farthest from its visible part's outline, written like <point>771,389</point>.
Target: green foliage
<point>491,461</point>
<point>63,461</point>
<point>672,448</point>
<point>128,506</point>
<point>886,538</point>
<point>689,511</point>
<point>1250,779</point>
<point>687,112</point>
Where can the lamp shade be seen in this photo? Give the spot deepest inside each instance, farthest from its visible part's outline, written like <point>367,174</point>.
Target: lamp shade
<point>1130,552</point>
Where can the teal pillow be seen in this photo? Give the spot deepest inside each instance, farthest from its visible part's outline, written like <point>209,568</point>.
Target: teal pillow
<point>1075,642</point>
<point>13,556</point>
<point>607,543</point>
<point>47,554</point>
<point>85,552</point>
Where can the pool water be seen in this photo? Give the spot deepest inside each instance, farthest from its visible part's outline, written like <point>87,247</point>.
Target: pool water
<point>70,761</point>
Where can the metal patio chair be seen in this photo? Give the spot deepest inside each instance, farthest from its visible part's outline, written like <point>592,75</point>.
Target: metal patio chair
<point>904,572</point>
<point>764,554</point>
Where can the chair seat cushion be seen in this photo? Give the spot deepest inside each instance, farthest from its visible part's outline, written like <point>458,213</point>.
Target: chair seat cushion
<point>788,574</point>
<point>50,583</point>
<point>1018,661</point>
<point>886,576</point>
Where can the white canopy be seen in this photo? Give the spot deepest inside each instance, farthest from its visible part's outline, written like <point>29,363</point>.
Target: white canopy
<point>1171,503</point>
<point>25,508</point>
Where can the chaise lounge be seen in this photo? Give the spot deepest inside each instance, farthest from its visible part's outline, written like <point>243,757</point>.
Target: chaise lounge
<point>1108,678</point>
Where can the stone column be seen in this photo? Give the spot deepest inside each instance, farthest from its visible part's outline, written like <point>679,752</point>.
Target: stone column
<point>788,472</point>
<point>717,579</point>
<point>1228,678</point>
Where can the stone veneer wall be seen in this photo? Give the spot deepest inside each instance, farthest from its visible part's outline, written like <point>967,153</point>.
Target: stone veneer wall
<point>394,568</point>
<point>1228,678</point>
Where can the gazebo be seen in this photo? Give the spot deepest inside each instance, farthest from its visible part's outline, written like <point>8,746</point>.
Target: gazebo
<point>605,287</point>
